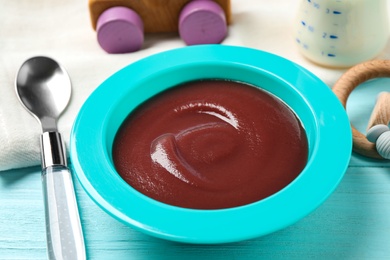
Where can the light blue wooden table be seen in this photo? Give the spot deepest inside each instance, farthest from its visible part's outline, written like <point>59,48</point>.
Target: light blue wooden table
<point>354,223</point>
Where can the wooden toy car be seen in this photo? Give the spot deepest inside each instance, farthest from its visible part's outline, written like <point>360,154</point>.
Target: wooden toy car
<point>121,24</point>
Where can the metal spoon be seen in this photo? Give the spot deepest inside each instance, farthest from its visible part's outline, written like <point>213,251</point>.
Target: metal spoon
<point>44,89</point>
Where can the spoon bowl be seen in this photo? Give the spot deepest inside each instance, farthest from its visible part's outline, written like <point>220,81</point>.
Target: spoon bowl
<point>44,89</point>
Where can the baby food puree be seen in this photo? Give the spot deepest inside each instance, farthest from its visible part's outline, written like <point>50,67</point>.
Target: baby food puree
<point>210,144</point>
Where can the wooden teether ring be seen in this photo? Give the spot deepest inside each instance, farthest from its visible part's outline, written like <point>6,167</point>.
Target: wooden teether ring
<point>381,113</point>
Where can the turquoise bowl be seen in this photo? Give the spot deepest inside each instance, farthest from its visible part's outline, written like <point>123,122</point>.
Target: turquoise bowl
<point>323,117</point>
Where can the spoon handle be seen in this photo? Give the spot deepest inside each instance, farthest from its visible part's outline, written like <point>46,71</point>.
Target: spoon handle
<point>63,228</point>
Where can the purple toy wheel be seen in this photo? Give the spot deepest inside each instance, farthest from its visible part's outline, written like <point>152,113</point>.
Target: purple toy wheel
<point>202,22</point>
<point>120,30</point>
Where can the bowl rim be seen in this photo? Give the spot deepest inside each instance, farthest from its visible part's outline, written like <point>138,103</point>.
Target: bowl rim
<point>91,159</point>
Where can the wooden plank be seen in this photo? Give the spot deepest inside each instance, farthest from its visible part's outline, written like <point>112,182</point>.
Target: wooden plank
<point>352,224</point>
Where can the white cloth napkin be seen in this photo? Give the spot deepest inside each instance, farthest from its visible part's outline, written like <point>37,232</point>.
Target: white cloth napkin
<point>61,29</point>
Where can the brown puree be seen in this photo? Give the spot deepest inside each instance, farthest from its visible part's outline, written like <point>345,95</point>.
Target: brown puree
<point>211,144</point>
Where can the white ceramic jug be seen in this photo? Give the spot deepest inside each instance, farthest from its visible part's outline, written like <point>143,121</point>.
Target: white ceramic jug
<point>341,33</point>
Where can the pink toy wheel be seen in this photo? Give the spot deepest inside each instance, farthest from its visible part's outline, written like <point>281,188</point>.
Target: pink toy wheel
<point>120,30</point>
<point>202,22</point>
